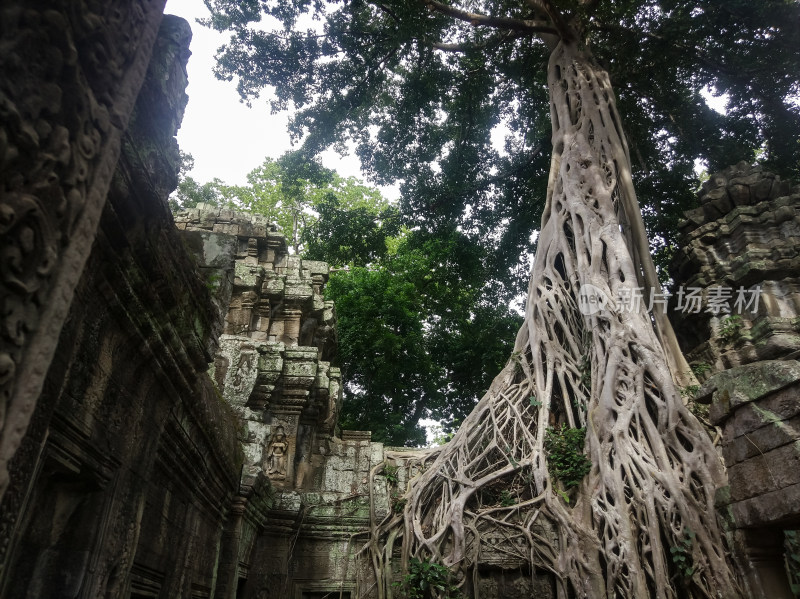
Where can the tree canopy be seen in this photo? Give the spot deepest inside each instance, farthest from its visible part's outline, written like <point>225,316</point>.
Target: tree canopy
<point>312,205</point>
<point>418,336</point>
<point>423,87</point>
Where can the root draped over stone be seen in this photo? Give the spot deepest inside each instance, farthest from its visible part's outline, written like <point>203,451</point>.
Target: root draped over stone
<point>611,371</point>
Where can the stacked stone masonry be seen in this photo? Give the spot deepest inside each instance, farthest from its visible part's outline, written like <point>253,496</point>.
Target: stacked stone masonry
<point>273,367</point>
<point>746,235</point>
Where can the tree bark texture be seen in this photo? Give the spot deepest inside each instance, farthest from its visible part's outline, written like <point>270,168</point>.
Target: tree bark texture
<point>642,522</point>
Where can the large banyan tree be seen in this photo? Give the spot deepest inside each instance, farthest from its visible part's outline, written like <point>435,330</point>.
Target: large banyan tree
<point>417,86</point>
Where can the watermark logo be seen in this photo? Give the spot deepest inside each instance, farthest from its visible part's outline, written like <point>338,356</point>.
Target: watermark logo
<point>689,300</point>
<point>591,299</point>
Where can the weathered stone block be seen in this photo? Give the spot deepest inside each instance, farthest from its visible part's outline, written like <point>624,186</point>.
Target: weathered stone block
<point>316,267</point>
<point>762,440</point>
<point>744,384</point>
<point>777,508</point>
<point>765,473</point>
<point>297,291</point>
<point>514,584</point>
<point>273,286</point>
<point>248,275</point>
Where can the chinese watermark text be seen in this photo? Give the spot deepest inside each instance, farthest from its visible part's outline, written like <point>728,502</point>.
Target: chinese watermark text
<point>690,300</point>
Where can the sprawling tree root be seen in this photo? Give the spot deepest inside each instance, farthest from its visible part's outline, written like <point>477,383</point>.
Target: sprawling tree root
<point>654,470</point>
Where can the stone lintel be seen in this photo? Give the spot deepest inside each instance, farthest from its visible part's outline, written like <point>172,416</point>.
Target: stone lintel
<point>356,436</point>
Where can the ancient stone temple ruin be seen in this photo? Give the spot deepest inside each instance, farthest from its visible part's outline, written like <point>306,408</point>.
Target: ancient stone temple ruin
<point>170,399</point>
<point>742,247</point>
<point>304,489</point>
<point>169,416</point>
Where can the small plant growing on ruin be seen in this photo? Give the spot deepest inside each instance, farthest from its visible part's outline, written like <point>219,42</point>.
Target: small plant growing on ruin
<point>700,368</point>
<point>566,460</point>
<point>390,472</point>
<point>507,499</point>
<point>428,580</point>
<point>398,503</point>
<point>730,327</point>
<point>682,554</point>
<point>689,391</point>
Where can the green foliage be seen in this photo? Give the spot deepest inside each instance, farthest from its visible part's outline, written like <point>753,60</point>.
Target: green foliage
<point>353,234</point>
<point>689,391</point>
<point>534,402</point>
<point>388,372</point>
<point>418,337</point>
<point>390,472</point>
<point>507,499</point>
<point>730,327</point>
<point>682,554</point>
<point>428,580</point>
<point>398,503</point>
<point>212,281</point>
<point>565,457</point>
<point>699,369</point>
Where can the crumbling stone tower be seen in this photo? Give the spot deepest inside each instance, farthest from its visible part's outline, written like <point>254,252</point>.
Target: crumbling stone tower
<point>746,236</point>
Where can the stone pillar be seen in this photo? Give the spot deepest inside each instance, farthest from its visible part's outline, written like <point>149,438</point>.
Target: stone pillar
<point>252,251</point>
<point>70,81</point>
<point>291,326</point>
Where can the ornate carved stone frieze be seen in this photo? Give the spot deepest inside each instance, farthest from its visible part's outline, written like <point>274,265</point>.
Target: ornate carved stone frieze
<point>70,81</point>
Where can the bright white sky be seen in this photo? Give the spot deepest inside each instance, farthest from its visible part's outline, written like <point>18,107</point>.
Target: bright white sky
<point>226,138</point>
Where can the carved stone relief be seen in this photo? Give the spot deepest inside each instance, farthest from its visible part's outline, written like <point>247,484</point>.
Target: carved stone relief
<point>277,454</point>
<point>70,80</point>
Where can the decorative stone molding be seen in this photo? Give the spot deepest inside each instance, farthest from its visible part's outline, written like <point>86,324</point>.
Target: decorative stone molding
<point>273,360</point>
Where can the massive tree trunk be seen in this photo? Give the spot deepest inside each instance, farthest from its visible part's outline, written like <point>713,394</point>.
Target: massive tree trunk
<point>642,522</point>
